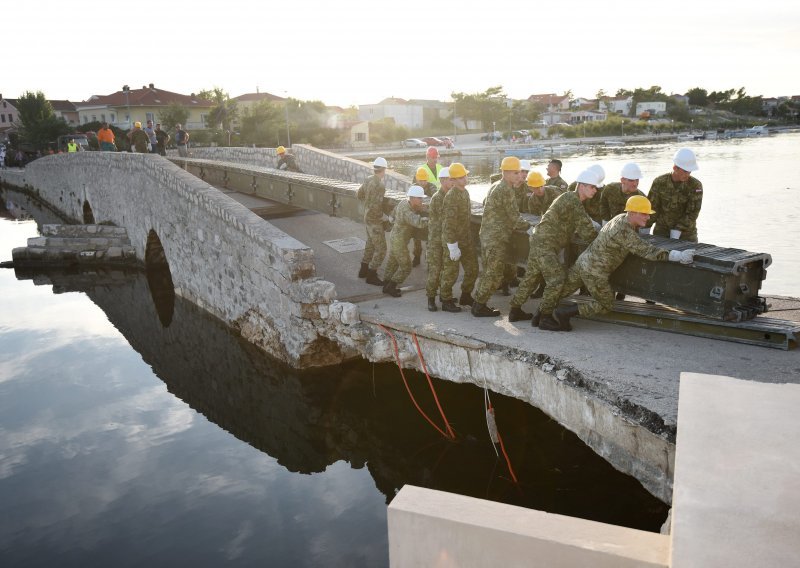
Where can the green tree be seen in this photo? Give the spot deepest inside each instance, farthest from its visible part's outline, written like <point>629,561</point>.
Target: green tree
<point>697,96</point>
<point>224,111</point>
<point>261,124</point>
<point>40,126</point>
<point>172,115</point>
<point>486,107</point>
<point>679,112</point>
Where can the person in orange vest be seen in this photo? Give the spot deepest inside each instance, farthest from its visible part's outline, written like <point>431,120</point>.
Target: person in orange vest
<point>106,138</point>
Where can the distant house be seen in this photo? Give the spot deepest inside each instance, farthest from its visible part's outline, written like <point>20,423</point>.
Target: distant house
<point>654,108</point>
<point>66,110</point>
<point>769,105</point>
<point>246,102</point>
<point>551,117</point>
<point>9,117</point>
<point>681,99</point>
<point>127,106</point>
<point>401,111</point>
<point>581,116</point>
<point>618,105</point>
<point>358,133</point>
<point>551,101</point>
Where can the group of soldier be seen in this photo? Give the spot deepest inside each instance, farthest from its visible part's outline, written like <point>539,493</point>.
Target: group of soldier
<point>608,220</point>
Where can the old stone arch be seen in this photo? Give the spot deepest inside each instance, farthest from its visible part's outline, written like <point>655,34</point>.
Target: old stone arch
<point>159,278</point>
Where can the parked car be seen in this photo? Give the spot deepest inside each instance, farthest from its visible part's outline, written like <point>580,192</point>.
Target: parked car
<point>492,136</point>
<point>413,143</point>
<point>448,141</point>
<point>432,141</point>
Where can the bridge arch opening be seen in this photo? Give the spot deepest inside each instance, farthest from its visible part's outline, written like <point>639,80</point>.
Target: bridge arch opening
<point>88,214</point>
<point>159,278</point>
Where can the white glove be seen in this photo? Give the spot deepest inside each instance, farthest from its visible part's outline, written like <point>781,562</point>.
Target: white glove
<point>603,223</point>
<point>644,231</point>
<point>682,256</point>
<point>597,226</point>
<point>386,217</point>
<point>674,234</point>
<point>455,252</point>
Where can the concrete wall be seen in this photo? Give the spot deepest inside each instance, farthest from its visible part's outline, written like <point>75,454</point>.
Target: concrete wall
<point>222,257</point>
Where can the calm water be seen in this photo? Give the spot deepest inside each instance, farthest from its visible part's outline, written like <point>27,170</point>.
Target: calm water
<point>127,443</point>
<point>751,196</point>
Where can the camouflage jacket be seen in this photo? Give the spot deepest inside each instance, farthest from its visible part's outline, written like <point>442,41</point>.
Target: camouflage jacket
<point>539,204</point>
<point>593,206</point>
<point>287,162</point>
<point>676,205</point>
<point>500,216</point>
<point>521,195</point>
<point>613,200</point>
<point>562,219</point>
<point>405,221</point>
<point>435,211</point>
<point>456,217</point>
<point>373,190</point>
<point>616,240</point>
<point>557,181</point>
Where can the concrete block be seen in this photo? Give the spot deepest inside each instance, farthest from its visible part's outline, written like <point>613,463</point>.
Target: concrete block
<point>114,253</point>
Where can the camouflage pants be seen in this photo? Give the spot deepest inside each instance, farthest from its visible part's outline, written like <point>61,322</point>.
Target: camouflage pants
<point>542,264</point>
<point>493,259</point>
<point>468,260</point>
<point>434,260</point>
<point>417,246</point>
<point>375,249</point>
<point>398,267</point>
<point>602,295</point>
<point>659,231</point>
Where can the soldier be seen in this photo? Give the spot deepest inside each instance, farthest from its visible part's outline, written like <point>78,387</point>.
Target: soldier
<point>616,240</point>
<point>615,195</point>
<point>541,195</point>
<point>562,219</point>
<point>521,189</point>
<point>433,169</point>
<point>593,206</point>
<point>554,173</point>
<point>500,218</point>
<point>371,193</point>
<point>677,198</point>
<point>138,138</point>
<point>435,238</point>
<point>406,219</point>
<point>457,244</point>
<point>286,160</point>
<point>422,178</point>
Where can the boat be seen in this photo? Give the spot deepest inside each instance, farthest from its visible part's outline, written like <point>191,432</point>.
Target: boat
<point>613,143</point>
<point>526,152</point>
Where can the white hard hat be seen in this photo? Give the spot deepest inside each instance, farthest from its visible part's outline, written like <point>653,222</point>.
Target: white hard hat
<point>444,172</point>
<point>685,160</point>
<point>380,163</point>
<point>631,170</point>
<point>589,176</point>
<point>600,172</point>
<point>415,191</point>
<point>525,165</point>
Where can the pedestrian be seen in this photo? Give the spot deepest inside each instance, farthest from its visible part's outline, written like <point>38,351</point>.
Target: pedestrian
<point>2,156</point>
<point>372,193</point>
<point>407,218</point>
<point>500,218</point>
<point>433,168</point>
<point>563,219</point>
<point>554,175</point>
<point>162,138</point>
<point>542,195</point>
<point>422,178</point>
<point>182,141</point>
<point>151,136</point>
<point>286,160</point>
<point>677,198</point>
<point>616,194</point>
<point>617,239</point>
<point>105,136</point>
<point>138,139</point>
<point>593,206</point>
<point>72,146</point>
<point>434,249</point>
<point>458,247</point>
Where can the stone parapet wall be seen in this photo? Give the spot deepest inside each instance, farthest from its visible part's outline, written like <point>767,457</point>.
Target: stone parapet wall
<point>222,257</point>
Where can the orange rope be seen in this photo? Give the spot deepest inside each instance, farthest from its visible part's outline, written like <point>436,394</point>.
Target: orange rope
<point>505,454</point>
<point>405,382</point>
<point>430,384</point>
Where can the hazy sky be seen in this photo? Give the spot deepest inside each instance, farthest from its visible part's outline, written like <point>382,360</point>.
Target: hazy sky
<point>358,52</point>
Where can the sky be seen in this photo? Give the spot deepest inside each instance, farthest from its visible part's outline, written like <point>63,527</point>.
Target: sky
<point>355,52</point>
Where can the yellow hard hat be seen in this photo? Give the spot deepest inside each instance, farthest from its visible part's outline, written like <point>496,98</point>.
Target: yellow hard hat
<point>510,163</point>
<point>535,179</point>
<point>639,204</point>
<point>280,150</point>
<point>457,170</point>
<point>137,124</point>
<point>421,175</point>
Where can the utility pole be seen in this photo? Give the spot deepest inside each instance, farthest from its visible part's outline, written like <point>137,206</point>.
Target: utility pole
<point>286,107</point>
<point>127,90</point>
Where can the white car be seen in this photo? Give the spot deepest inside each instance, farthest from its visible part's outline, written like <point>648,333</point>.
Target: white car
<point>413,143</point>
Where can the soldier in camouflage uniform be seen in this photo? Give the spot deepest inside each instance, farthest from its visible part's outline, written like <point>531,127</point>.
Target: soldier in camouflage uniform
<point>500,218</point>
<point>286,160</point>
<point>457,244</point>
<point>422,178</point>
<point>406,219</point>
<point>617,239</point>
<point>554,173</point>
<point>615,195</point>
<point>541,195</point>
<point>677,197</point>
<point>434,250</point>
<point>593,206</point>
<point>371,193</point>
<point>565,217</point>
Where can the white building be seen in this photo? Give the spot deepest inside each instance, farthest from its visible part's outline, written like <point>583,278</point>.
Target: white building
<point>655,108</point>
<point>401,111</point>
<point>620,105</point>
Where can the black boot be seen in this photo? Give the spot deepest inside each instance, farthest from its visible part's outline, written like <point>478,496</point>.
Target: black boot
<point>364,270</point>
<point>466,299</point>
<point>504,290</point>
<point>416,260</point>
<point>391,289</point>
<point>450,306</point>
<point>432,304</point>
<point>562,314</point>
<point>620,296</point>
<point>547,323</point>
<point>372,278</point>
<point>483,311</point>
<point>514,282</point>
<point>518,314</point>
<point>536,317</point>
